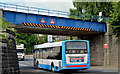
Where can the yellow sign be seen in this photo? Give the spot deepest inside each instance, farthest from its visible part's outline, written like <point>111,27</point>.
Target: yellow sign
<point>81,51</point>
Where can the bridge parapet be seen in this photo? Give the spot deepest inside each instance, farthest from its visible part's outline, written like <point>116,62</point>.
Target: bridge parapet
<point>33,17</point>
<point>43,11</point>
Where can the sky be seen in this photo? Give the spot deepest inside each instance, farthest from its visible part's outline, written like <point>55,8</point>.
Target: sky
<point>62,5</point>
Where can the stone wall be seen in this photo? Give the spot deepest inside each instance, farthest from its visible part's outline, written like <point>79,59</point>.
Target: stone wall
<point>114,47</point>
<point>9,61</point>
<point>100,55</point>
<point>96,48</point>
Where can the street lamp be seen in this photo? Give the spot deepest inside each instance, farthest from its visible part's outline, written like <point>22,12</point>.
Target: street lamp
<point>83,10</point>
<point>100,14</point>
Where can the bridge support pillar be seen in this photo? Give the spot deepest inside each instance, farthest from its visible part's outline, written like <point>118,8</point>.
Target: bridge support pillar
<point>107,50</point>
<point>100,55</point>
<point>112,50</point>
<point>96,48</point>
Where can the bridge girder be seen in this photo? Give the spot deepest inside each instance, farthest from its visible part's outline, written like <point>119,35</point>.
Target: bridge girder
<point>53,31</point>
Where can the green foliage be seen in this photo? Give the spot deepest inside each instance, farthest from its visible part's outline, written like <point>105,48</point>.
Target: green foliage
<point>30,40</point>
<point>115,18</point>
<point>42,39</point>
<point>4,25</point>
<point>108,9</point>
<point>92,8</point>
<point>2,36</point>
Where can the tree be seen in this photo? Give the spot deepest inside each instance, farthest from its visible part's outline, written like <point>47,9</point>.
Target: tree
<point>42,39</point>
<point>115,18</point>
<point>4,25</point>
<point>28,39</point>
<point>92,8</point>
<point>108,9</point>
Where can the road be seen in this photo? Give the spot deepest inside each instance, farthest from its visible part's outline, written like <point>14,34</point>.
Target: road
<point>26,67</point>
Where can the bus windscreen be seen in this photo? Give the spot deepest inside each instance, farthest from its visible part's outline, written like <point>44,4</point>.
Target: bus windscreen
<point>76,45</point>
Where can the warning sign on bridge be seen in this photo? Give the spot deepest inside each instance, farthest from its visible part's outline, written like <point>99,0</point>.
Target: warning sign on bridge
<point>42,20</point>
<point>52,21</point>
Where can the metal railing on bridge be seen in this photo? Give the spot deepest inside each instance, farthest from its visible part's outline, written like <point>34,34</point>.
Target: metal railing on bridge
<point>42,11</point>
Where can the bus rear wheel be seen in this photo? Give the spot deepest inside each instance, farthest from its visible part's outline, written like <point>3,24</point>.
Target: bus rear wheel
<point>52,68</point>
<point>37,65</point>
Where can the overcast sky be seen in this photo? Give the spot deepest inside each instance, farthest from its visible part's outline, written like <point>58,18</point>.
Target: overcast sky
<point>62,5</point>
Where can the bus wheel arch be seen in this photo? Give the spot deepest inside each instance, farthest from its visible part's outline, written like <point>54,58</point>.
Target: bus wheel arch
<point>37,64</point>
<point>52,67</point>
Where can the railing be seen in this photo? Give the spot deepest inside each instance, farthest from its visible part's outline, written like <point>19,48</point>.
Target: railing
<point>34,10</point>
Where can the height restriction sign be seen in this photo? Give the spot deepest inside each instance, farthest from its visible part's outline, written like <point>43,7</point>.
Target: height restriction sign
<point>52,21</point>
<point>42,20</point>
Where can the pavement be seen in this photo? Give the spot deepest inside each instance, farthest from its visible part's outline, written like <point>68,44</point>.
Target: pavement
<point>105,67</point>
<point>26,67</point>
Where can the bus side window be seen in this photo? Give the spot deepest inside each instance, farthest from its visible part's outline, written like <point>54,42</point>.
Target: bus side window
<point>61,52</point>
<point>44,53</point>
<point>35,54</point>
<point>39,53</point>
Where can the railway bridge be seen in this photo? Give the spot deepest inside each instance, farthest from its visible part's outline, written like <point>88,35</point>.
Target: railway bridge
<point>44,21</point>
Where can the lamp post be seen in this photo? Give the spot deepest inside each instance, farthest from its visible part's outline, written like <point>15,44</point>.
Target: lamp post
<point>100,14</point>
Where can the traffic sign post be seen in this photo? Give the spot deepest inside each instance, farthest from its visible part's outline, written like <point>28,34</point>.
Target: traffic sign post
<point>49,38</point>
<point>105,45</point>
<point>105,54</point>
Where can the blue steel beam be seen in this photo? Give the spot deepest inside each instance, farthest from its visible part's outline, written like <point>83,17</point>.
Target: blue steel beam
<point>19,18</point>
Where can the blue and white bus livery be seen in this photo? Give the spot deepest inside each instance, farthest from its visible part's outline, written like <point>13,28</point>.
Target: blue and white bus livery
<point>56,56</point>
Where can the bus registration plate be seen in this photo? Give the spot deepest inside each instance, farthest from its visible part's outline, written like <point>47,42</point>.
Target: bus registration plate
<point>77,59</point>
